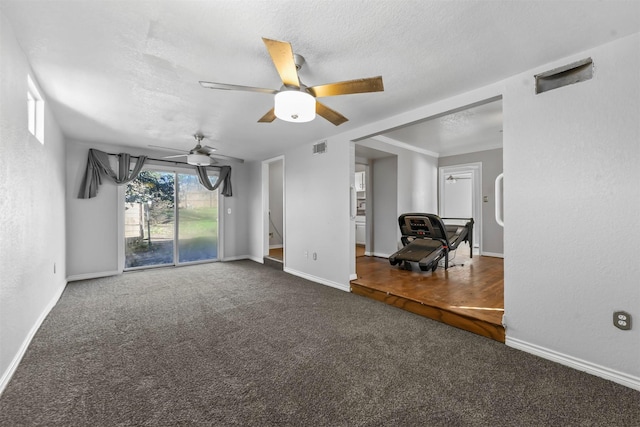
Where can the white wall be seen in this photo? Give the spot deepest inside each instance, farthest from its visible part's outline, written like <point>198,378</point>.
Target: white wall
<point>384,200</point>
<point>417,178</point>
<point>572,204</point>
<point>92,224</point>
<point>317,212</point>
<point>32,210</point>
<point>571,161</point>
<point>255,223</point>
<point>492,233</point>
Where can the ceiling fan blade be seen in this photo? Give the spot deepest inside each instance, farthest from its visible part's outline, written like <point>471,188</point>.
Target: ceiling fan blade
<point>220,156</point>
<point>282,57</point>
<point>329,114</point>
<point>225,86</point>
<point>205,149</point>
<point>169,148</point>
<point>371,84</point>
<point>173,157</point>
<point>269,117</point>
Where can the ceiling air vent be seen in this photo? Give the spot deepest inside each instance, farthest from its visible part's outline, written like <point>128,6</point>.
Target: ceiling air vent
<point>563,76</point>
<point>320,147</point>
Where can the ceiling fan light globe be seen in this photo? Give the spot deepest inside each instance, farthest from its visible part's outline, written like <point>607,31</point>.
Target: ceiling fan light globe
<point>295,106</point>
<point>198,159</point>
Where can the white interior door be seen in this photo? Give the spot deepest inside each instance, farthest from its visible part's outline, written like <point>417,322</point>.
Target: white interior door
<point>460,196</point>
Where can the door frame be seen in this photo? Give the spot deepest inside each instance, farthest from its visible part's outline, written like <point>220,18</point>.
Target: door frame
<point>265,208</point>
<point>176,169</point>
<point>475,169</point>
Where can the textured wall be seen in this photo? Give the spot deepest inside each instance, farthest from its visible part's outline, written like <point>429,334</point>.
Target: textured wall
<point>571,166</point>
<point>32,210</point>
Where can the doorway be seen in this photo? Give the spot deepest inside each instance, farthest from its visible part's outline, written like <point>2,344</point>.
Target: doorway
<point>460,196</point>
<point>273,206</point>
<point>465,145</point>
<point>169,219</point>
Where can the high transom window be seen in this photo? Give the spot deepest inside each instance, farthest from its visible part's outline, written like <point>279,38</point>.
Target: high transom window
<point>35,111</point>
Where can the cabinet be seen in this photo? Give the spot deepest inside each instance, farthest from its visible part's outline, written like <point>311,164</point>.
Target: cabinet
<point>360,181</point>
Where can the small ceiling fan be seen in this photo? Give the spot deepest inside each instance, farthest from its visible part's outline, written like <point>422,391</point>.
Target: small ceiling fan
<point>294,101</point>
<point>200,155</point>
<point>453,179</point>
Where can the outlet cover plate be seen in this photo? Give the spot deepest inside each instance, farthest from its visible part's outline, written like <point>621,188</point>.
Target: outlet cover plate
<point>622,320</point>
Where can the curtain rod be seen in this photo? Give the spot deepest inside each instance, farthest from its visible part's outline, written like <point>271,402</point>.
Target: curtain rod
<point>165,161</point>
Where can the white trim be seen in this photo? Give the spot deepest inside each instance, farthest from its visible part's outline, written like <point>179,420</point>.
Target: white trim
<point>353,277</point>
<point>380,255</point>
<point>265,206</point>
<point>404,145</point>
<point>6,376</point>
<point>97,275</point>
<point>368,253</point>
<point>492,254</point>
<point>475,169</point>
<point>222,215</point>
<point>276,246</point>
<point>238,258</point>
<point>317,279</point>
<point>255,259</point>
<point>579,364</point>
<point>120,214</point>
<point>35,123</point>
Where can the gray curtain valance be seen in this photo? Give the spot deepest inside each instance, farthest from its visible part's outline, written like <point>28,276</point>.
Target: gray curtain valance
<point>224,178</point>
<point>98,166</point>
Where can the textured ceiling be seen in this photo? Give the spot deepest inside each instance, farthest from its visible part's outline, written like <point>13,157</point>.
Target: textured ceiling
<point>127,72</point>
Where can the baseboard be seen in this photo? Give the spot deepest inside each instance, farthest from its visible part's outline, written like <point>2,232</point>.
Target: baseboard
<point>380,255</point>
<point>238,258</point>
<point>6,376</point>
<point>320,280</point>
<point>87,276</point>
<point>276,246</point>
<point>575,363</point>
<point>492,254</point>
<point>367,253</point>
<point>353,276</point>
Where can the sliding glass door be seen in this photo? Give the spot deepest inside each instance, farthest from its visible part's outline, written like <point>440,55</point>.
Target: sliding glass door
<point>169,219</point>
<point>197,220</point>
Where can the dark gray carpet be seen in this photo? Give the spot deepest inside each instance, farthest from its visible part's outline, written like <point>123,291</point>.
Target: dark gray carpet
<point>243,344</point>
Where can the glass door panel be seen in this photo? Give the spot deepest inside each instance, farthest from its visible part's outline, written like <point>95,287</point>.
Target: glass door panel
<point>197,220</point>
<point>149,220</point>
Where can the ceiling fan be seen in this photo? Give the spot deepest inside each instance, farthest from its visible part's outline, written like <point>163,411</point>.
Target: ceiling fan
<point>200,155</point>
<point>294,101</point>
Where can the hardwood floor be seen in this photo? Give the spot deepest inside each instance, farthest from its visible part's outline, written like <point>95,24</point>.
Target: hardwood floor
<point>276,253</point>
<point>470,297</point>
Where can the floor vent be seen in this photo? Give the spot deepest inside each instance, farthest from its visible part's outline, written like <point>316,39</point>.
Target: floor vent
<point>320,147</point>
<point>563,76</point>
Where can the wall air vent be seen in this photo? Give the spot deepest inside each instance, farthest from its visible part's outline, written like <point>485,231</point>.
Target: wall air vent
<point>563,76</point>
<point>320,147</point>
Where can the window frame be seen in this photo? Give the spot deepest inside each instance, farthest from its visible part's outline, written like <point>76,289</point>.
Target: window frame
<point>35,111</point>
